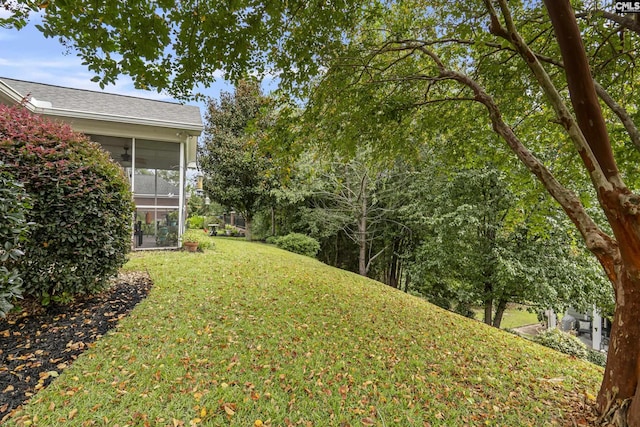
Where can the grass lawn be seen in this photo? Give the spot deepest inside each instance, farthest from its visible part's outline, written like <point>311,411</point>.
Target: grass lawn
<point>250,335</point>
<point>513,317</point>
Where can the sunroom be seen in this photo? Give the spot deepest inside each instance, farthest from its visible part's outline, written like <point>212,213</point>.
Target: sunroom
<point>154,141</point>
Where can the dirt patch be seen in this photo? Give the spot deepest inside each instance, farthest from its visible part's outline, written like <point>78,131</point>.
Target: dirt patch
<point>37,344</point>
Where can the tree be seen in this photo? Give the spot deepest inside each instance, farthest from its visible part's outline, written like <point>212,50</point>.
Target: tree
<point>502,57</point>
<point>461,63</point>
<point>354,201</point>
<point>180,45</point>
<point>453,68</point>
<point>480,246</point>
<point>238,175</point>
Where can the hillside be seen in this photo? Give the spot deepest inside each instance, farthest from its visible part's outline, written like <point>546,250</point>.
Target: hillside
<point>250,335</point>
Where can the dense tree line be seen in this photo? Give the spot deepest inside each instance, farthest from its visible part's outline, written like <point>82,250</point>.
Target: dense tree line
<point>461,236</point>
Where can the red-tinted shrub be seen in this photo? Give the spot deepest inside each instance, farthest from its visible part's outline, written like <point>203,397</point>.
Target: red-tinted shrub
<point>82,205</point>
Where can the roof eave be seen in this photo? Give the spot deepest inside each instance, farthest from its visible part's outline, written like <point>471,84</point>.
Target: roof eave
<point>34,108</point>
<point>16,97</point>
<point>193,127</point>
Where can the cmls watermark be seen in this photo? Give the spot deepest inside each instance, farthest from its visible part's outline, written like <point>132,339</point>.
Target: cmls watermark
<point>627,6</point>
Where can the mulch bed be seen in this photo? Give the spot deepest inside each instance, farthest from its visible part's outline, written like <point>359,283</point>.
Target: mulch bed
<point>37,344</point>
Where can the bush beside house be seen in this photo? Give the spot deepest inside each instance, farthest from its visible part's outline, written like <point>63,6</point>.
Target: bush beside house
<point>82,205</point>
<point>571,345</point>
<point>13,231</point>
<point>196,221</point>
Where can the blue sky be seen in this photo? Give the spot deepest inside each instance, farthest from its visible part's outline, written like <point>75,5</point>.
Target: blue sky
<point>28,55</point>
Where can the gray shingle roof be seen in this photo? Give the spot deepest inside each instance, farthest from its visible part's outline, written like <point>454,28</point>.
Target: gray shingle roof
<point>101,103</point>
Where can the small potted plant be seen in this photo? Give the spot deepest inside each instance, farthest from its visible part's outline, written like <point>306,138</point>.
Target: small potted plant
<point>190,241</point>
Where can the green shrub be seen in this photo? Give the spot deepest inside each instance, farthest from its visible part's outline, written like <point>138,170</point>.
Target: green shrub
<point>82,205</point>
<point>597,357</point>
<point>272,240</point>
<point>13,231</point>
<point>196,221</point>
<point>299,243</point>
<point>195,235</point>
<point>231,230</point>
<point>563,342</point>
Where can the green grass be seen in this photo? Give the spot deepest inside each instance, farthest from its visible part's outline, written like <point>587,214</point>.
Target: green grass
<point>249,332</point>
<point>513,317</point>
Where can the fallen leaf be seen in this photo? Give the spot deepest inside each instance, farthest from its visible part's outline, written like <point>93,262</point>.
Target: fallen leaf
<point>72,413</point>
<point>229,408</point>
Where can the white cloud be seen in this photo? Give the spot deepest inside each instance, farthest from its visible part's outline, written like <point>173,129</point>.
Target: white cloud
<point>35,64</point>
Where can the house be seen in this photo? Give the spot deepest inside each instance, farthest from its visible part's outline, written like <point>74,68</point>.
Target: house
<point>154,141</point>
<point>591,328</point>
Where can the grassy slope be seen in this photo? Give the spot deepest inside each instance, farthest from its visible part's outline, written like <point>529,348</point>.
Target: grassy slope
<point>513,317</point>
<point>247,332</point>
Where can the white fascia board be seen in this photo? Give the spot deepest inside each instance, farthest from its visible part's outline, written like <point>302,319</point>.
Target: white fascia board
<point>16,96</point>
<point>44,107</point>
<point>118,119</point>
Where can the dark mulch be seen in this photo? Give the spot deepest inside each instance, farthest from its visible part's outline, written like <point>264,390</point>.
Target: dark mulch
<point>37,344</point>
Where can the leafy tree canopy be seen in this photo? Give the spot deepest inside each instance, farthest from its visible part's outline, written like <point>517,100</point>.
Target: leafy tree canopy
<point>238,174</point>
<point>177,45</point>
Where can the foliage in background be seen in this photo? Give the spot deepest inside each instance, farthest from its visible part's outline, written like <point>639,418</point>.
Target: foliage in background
<point>597,357</point>
<point>82,205</point>
<point>196,221</point>
<point>478,244</point>
<point>14,205</point>
<point>562,342</point>
<point>298,243</point>
<point>358,199</point>
<point>238,174</point>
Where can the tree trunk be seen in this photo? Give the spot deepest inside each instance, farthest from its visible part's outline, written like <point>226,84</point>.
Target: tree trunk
<point>273,221</point>
<point>618,399</point>
<point>394,268</point>
<point>488,310</point>
<point>407,282</point>
<point>619,396</point>
<point>488,303</point>
<point>362,231</point>
<point>247,227</point>
<point>497,318</point>
<point>362,255</point>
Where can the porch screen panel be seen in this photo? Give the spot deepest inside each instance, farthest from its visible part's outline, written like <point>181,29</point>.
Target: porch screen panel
<point>156,190</point>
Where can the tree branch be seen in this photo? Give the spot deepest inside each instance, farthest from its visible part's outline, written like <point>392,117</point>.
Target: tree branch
<point>600,179</point>
<point>372,258</point>
<point>622,114</point>
<point>596,239</point>
<point>617,109</point>
<point>623,20</point>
